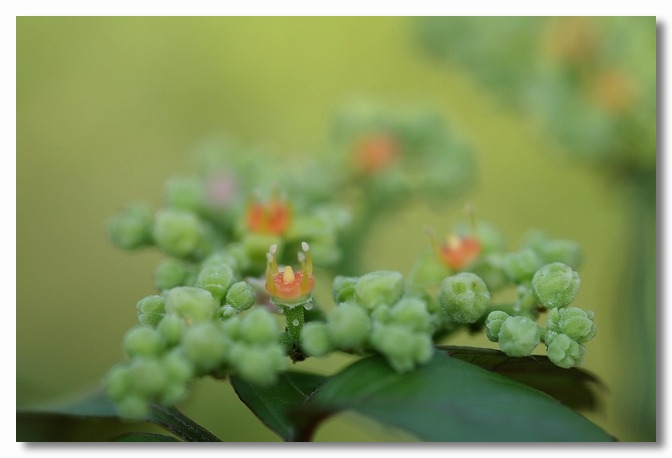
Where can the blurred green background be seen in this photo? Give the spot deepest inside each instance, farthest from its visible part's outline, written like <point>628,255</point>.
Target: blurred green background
<point>109,108</point>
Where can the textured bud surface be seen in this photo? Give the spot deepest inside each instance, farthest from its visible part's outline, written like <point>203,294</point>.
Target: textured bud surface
<point>464,297</point>
<point>574,322</point>
<point>522,265</point>
<point>518,336</point>
<point>412,312</point>
<point>379,287</point>
<point>150,310</point>
<point>343,289</point>
<point>216,278</point>
<point>556,285</point>
<point>563,351</point>
<point>493,323</point>
<point>240,296</point>
<point>190,302</point>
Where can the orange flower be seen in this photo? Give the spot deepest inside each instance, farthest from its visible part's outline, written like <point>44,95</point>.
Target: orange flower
<point>289,286</point>
<point>375,152</point>
<point>272,217</point>
<point>457,252</point>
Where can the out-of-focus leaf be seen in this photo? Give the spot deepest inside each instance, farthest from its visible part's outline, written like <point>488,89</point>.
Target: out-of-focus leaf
<point>274,405</point>
<point>145,437</point>
<point>448,400</point>
<point>574,387</point>
<point>95,404</point>
<point>98,405</point>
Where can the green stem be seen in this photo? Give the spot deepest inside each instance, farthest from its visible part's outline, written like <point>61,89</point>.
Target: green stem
<point>295,319</point>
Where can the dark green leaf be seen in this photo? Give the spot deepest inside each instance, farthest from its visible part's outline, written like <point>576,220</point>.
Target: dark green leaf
<point>99,405</point>
<point>574,387</point>
<point>145,437</point>
<point>449,400</point>
<point>274,405</point>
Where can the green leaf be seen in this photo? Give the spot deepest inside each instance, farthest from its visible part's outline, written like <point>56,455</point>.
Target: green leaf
<point>95,404</point>
<point>275,405</point>
<point>574,387</point>
<point>98,405</point>
<point>448,400</point>
<point>145,437</point>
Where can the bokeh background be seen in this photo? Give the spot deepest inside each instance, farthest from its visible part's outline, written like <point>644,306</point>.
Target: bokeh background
<point>109,108</point>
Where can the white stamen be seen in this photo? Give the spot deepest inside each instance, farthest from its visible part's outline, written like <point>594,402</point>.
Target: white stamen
<point>273,249</point>
<point>305,246</point>
<point>302,257</point>
<point>269,257</point>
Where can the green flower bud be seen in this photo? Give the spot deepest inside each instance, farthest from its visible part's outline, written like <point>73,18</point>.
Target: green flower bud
<point>241,296</point>
<point>556,285</point>
<point>187,194</point>
<point>574,322</point>
<point>315,339</point>
<point>191,303</point>
<point>490,268</point>
<point>172,328</point>
<point>133,407</point>
<point>217,279</point>
<point>348,326</point>
<point>564,251</point>
<point>141,341</point>
<point>150,310</point>
<point>518,336</point>
<point>180,234</point>
<point>403,349</point>
<point>563,351</point>
<point>343,289</point>
<point>464,297</point>
<point>205,346</point>
<point>118,382</point>
<point>526,300</point>
<point>177,367</point>
<point>493,324</point>
<point>259,327</point>
<point>148,377</point>
<point>131,229</point>
<point>412,312</point>
<point>172,273</point>
<point>173,393</point>
<point>380,287</point>
<point>382,314</point>
<point>522,265</point>
<point>554,250</point>
<point>259,364</point>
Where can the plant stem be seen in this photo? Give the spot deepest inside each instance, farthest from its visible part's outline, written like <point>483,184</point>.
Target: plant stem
<point>295,317</point>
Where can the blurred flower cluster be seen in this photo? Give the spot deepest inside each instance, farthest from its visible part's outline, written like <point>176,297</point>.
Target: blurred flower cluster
<point>591,81</point>
<point>232,231</point>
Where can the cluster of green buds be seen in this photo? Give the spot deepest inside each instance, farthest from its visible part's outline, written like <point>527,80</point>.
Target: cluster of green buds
<point>193,331</point>
<point>554,287</point>
<point>375,314</point>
